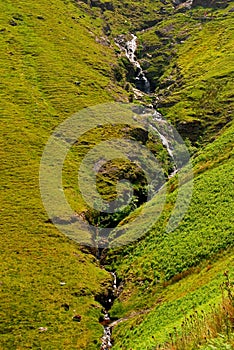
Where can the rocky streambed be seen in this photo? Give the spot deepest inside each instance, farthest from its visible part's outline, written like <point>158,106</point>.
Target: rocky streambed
<point>129,47</point>
<point>106,320</point>
<point>166,136</point>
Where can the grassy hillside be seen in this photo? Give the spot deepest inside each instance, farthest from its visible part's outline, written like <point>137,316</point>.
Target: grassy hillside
<point>191,66</point>
<point>187,56</point>
<point>45,48</point>
<point>56,60</point>
<point>196,88</point>
<point>166,276</point>
<point>126,16</point>
<point>169,305</point>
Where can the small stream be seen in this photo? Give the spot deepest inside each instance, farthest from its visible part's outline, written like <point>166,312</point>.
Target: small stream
<point>158,125</point>
<point>130,47</point>
<point>106,338</point>
<point>143,84</point>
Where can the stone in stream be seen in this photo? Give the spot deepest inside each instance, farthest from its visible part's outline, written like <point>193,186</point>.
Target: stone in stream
<point>105,320</point>
<point>77,318</point>
<point>42,329</point>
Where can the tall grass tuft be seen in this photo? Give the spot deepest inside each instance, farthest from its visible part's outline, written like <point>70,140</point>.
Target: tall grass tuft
<point>200,327</point>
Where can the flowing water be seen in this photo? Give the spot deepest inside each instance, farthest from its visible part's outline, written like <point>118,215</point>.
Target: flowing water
<point>106,339</point>
<point>130,47</point>
<point>159,128</point>
<point>165,133</point>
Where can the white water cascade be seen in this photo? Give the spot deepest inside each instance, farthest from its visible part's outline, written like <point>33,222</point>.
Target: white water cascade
<point>164,130</point>
<point>130,47</point>
<point>106,339</point>
<point>159,129</point>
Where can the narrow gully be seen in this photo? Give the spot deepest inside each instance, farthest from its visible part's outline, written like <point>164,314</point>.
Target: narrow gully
<point>106,321</point>
<point>142,84</point>
<point>130,47</point>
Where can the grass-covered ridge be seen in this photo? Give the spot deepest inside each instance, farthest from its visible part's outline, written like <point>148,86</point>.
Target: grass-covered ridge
<point>187,56</point>
<point>166,276</point>
<point>162,262</point>
<point>201,77</point>
<point>52,65</point>
<point>194,294</point>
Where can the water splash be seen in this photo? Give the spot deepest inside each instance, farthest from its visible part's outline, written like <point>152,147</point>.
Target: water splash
<point>130,47</point>
<point>106,338</point>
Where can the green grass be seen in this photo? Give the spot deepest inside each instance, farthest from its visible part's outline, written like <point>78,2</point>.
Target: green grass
<point>170,304</point>
<point>49,47</point>
<point>191,66</point>
<point>32,296</point>
<point>128,15</point>
<point>159,262</point>
<point>41,58</point>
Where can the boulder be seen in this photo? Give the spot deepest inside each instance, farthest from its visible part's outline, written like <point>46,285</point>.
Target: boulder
<point>191,129</point>
<point>210,3</point>
<point>77,318</point>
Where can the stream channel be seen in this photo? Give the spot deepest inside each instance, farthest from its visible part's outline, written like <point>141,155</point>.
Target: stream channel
<point>142,84</point>
<point>106,322</point>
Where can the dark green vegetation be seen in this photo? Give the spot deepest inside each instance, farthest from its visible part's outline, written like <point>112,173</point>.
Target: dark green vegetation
<point>55,60</point>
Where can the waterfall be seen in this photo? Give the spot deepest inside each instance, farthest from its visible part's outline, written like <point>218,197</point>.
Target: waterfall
<point>114,282</point>
<point>130,47</point>
<point>159,128</point>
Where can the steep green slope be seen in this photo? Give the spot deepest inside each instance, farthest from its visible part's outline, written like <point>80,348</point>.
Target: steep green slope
<point>162,320</point>
<point>187,56</point>
<point>126,16</point>
<point>197,87</point>
<point>45,48</point>
<point>189,59</point>
<point>154,269</point>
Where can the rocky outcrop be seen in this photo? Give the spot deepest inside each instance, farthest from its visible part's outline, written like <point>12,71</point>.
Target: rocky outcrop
<point>183,5</point>
<point>192,129</point>
<point>210,3</point>
<point>102,5</point>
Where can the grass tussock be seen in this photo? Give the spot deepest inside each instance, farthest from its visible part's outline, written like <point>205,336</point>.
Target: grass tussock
<point>202,327</point>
